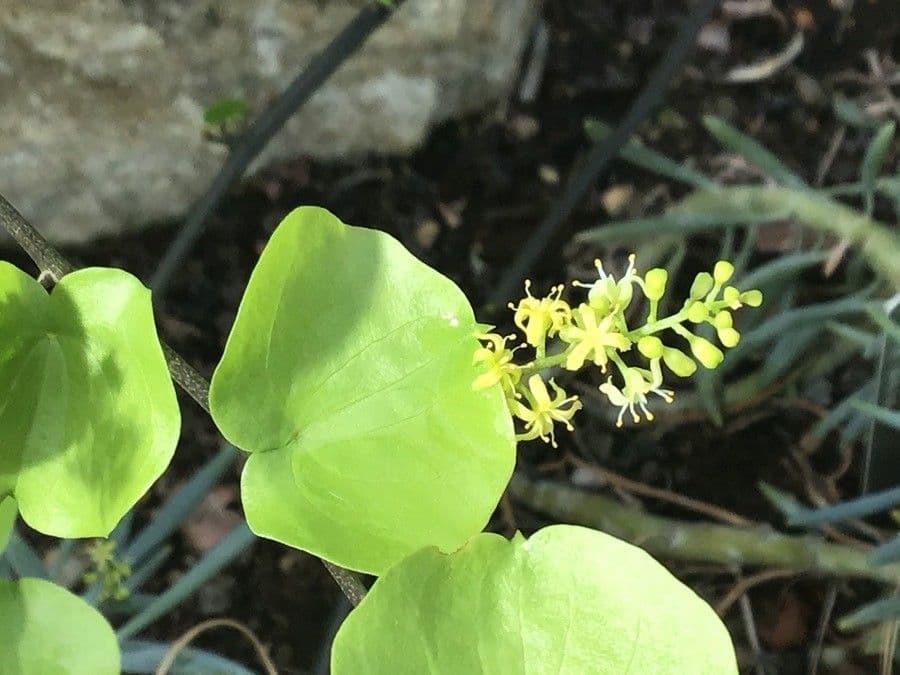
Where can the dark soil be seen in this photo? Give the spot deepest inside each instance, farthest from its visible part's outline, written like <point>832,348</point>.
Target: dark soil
<point>464,203</point>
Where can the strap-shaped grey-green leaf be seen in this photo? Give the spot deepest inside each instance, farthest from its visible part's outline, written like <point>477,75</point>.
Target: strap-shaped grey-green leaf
<point>873,159</point>
<point>744,145</point>
<point>45,630</point>
<point>348,376</point>
<point>88,414</point>
<point>8,513</point>
<point>568,600</point>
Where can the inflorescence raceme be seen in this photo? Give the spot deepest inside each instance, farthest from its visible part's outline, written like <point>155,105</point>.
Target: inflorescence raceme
<point>597,332</point>
<point>108,569</point>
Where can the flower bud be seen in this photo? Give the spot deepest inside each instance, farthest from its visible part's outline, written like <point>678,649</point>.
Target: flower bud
<point>697,312</point>
<point>723,271</point>
<point>650,346</point>
<point>752,298</point>
<point>655,283</point>
<point>732,296</point>
<point>728,336</point>
<point>702,285</point>
<point>706,352</point>
<point>678,362</point>
<point>723,320</point>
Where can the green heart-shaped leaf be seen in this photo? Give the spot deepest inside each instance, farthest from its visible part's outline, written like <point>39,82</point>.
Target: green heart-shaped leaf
<point>568,600</point>
<point>45,630</point>
<point>348,376</point>
<point>88,418</point>
<point>8,512</point>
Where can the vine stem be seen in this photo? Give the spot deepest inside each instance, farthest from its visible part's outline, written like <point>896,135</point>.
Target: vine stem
<point>657,326</point>
<point>879,243</point>
<point>49,260</point>
<point>258,135</point>
<point>544,362</point>
<point>682,540</point>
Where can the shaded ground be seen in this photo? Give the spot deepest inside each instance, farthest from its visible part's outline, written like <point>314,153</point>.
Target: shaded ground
<point>464,203</point>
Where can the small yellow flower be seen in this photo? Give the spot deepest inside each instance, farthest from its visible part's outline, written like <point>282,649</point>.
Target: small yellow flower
<point>607,293</point>
<point>591,335</point>
<point>107,569</point>
<point>544,411</point>
<point>498,359</point>
<point>638,383</point>
<point>541,318</point>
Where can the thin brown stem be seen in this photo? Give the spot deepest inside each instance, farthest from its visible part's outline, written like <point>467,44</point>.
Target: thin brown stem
<point>181,643</point>
<point>32,242</point>
<point>192,382</point>
<point>638,488</point>
<point>350,583</point>
<point>746,583</point>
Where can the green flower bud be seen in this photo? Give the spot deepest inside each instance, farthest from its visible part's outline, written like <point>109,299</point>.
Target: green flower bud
<point>732,296</point>
<point>723,271</point>
<point>728,336</point>
<point>678,362</point>
<point>655,283</point>
<point>702,285</point>
<point>706,352</point>
<point>723,320</point>
<point>650,346</point>
<point>697,312</point>
<point>752,298</point>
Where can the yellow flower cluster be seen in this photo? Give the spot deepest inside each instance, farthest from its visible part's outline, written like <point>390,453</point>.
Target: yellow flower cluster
<point>107,569</point>
<point>597,331</point>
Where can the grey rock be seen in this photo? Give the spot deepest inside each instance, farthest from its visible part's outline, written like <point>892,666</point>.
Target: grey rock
<point>101,101</point>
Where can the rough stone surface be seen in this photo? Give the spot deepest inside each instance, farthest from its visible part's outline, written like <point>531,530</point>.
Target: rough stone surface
<point>101,101</point>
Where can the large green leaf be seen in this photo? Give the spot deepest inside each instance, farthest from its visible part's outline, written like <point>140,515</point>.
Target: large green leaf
<point>8,512</point>
<point>348,376</point>
<point>88,414</point>
<point>568,600</point>
<point>45,630</point>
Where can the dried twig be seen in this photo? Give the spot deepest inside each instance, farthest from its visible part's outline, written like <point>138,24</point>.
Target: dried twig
<point>746,583</point>
<point>695,505</point>
<point>815,653</point>
<point>179,645</point>
<point>752,636</point>
<point>767,67</point>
